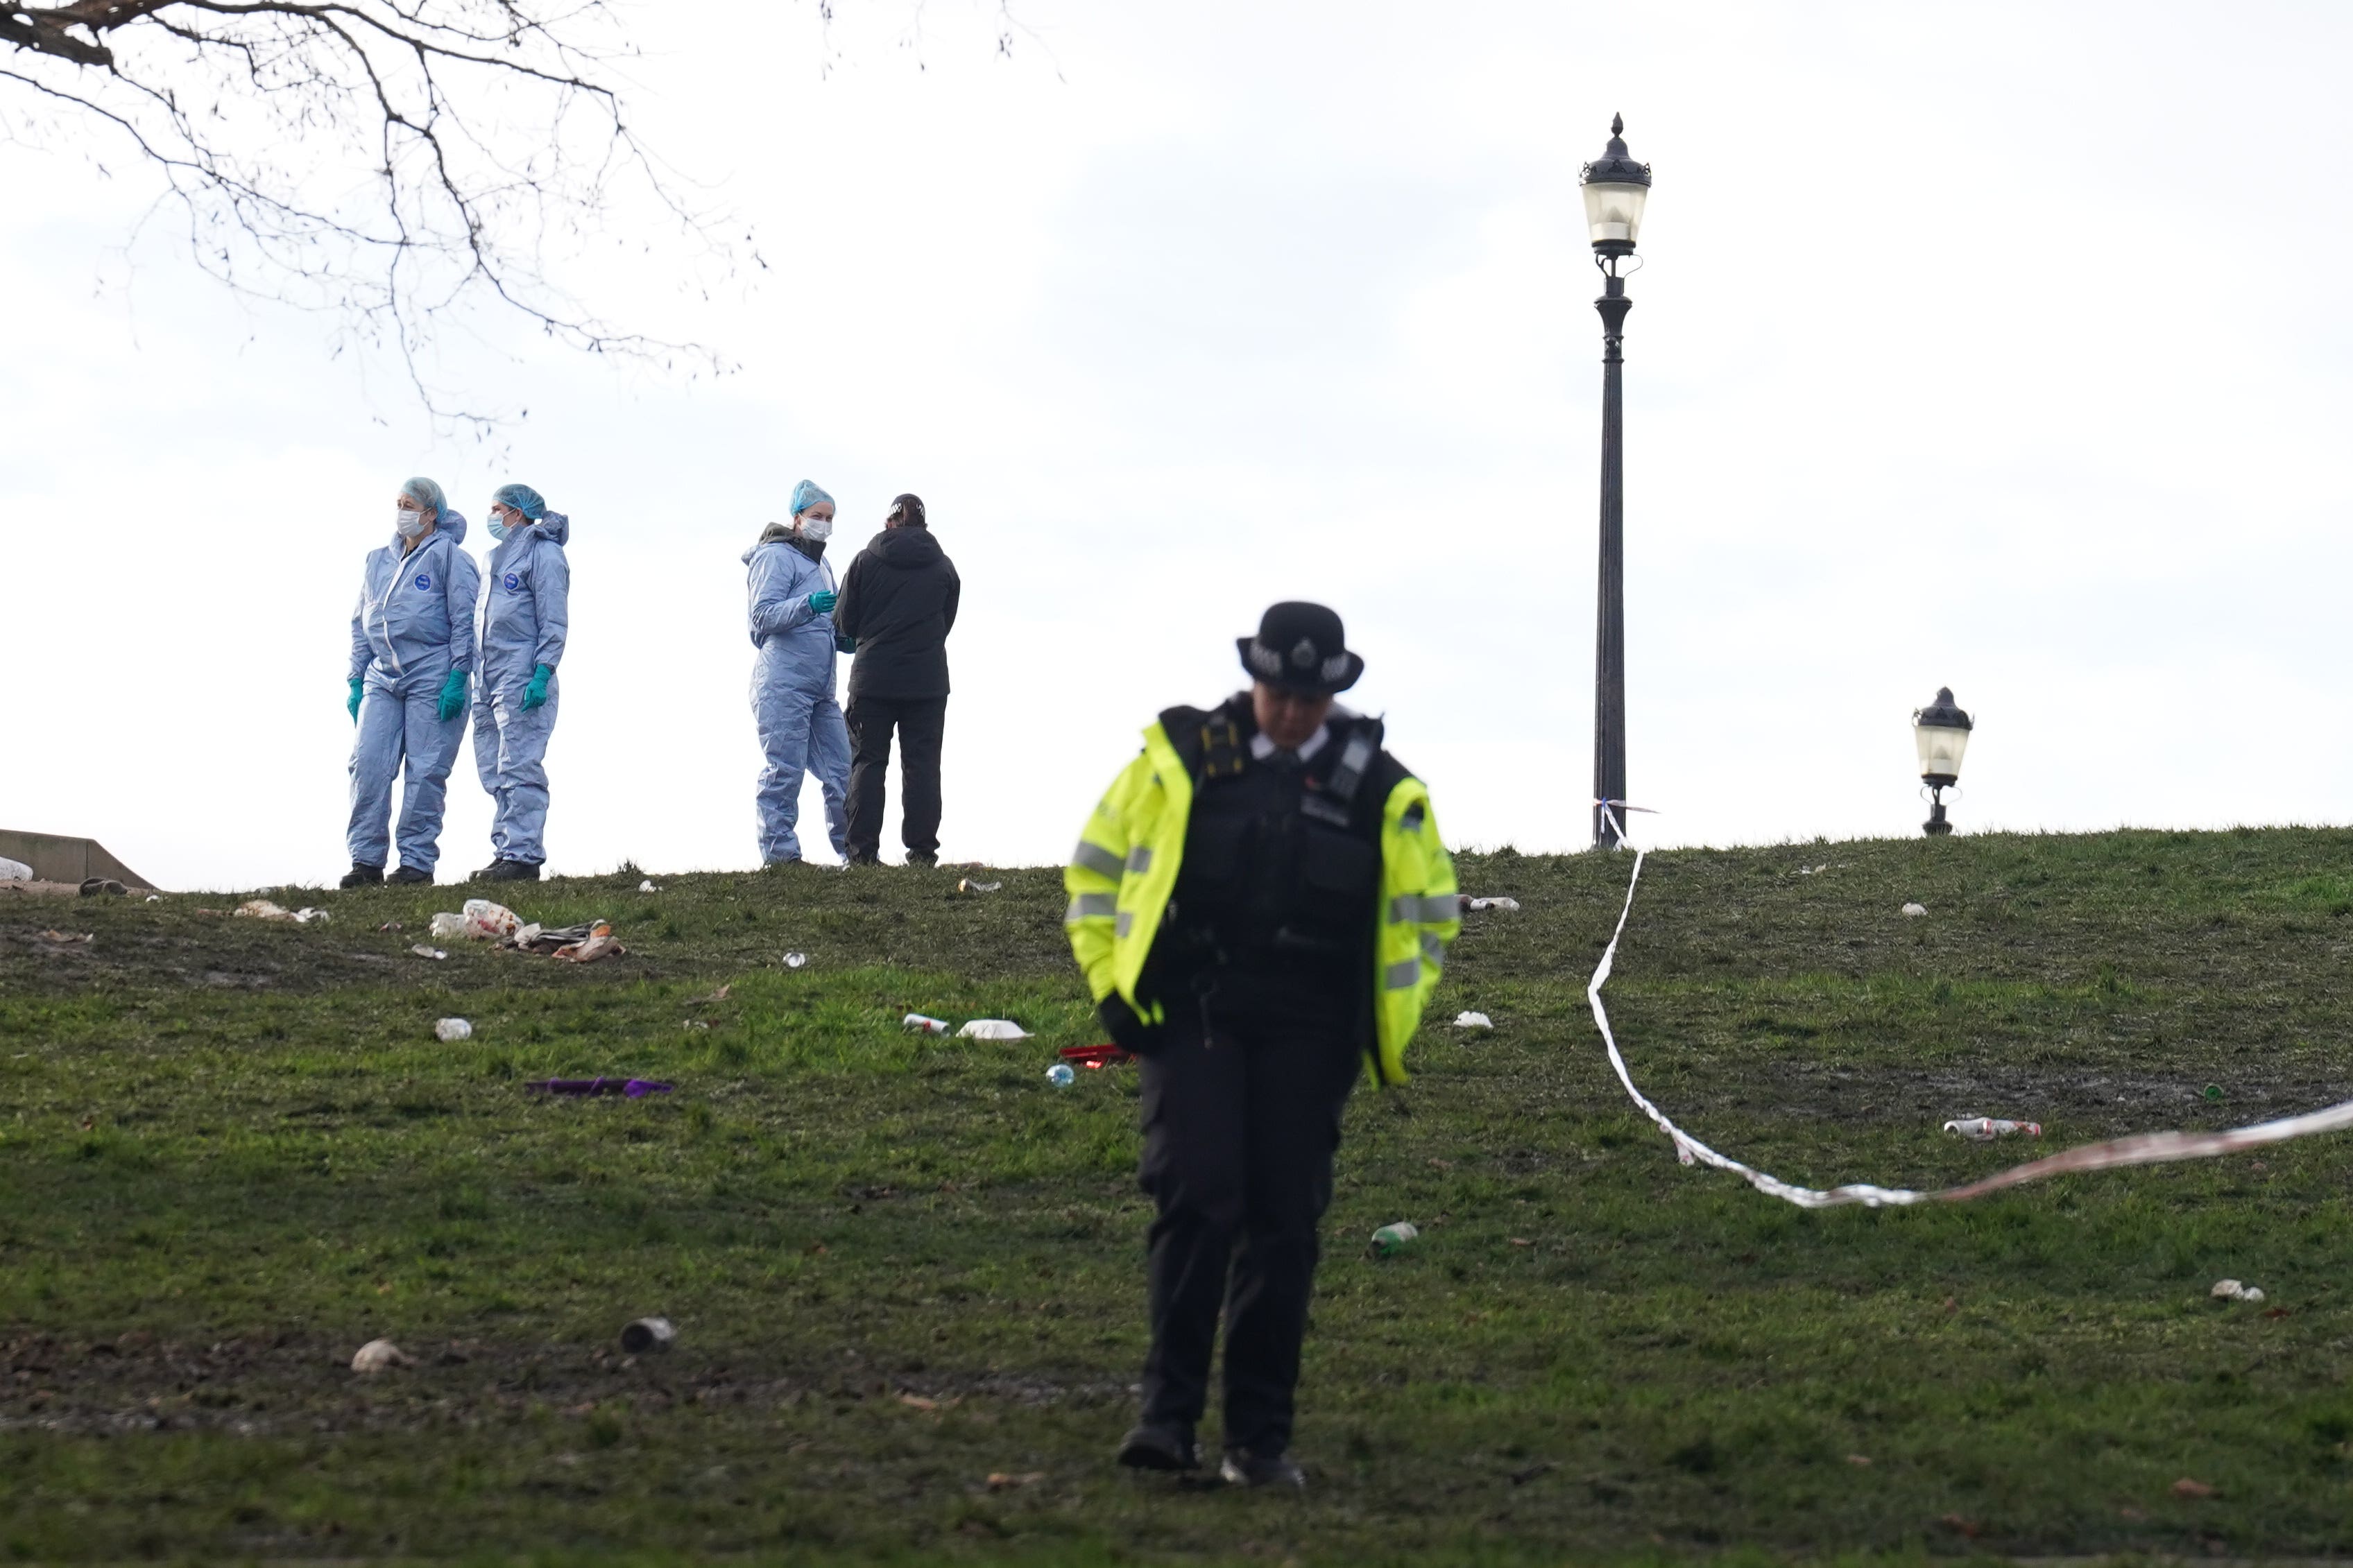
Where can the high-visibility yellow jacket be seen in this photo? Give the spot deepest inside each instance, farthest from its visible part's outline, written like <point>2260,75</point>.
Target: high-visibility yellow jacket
<point>1123,872</point>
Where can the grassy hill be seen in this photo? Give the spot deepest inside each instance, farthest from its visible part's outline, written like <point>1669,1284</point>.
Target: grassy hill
<point>231,1152</point>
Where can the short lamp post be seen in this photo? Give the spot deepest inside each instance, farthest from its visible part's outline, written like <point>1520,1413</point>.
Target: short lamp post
<point>1615,187</point>
<point>1941,731</point>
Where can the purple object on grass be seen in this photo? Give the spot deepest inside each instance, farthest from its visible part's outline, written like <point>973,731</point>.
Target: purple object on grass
<point>635,1088</point>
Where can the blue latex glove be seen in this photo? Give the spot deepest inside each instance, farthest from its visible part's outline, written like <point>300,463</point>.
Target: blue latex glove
<point>823,601</point>
<point>358,686</point>
<point>845,645</point>
<point>536,694</point>
<point>453,696</point>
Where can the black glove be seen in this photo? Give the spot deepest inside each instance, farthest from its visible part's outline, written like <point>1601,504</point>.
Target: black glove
<point>1127,1031</point>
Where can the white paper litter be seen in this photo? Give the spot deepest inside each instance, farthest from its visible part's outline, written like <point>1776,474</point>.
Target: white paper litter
<point>795,960</point>
<point>421,950</point>
<point>378,1355</point>
<point>450,1030</point>
<point>2232,1291</point>
<point>647,886</point>
<point>1914,912</point>
<point>1474,1021</point>
<point>993,1029</point>
<point>1508,906</point>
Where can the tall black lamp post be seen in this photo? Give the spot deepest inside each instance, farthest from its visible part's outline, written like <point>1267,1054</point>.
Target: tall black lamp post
<point>1615,187</point>
<point>1941,732</point>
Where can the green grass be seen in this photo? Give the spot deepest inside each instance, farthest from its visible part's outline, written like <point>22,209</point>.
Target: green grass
<point>231,1152</point>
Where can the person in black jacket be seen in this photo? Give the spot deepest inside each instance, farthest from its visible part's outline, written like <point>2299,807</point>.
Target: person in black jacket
<point>898,605</point>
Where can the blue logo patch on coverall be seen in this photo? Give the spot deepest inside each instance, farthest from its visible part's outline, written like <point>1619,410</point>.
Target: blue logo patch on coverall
<point>513,582</point>
<point>424,582</point>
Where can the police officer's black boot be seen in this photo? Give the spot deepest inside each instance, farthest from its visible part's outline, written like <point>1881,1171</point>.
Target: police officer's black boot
<point>408,874</point>
<point>362,876</point>
<point>1159,1447</point>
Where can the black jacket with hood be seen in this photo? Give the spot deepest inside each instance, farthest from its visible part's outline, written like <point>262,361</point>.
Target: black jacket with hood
<point>899,601</point>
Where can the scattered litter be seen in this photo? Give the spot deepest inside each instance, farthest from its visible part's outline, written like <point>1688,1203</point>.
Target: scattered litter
<point>969,886</point>
<point>1095,1055</point>
<point>481,920</point>
<point>263,909</point>
<point>421,950</point>
<point>1475,906</point>
<point>718,996</point>
<point>1000,1481</point>
<point>1061,1075</point>
<point>14,871</point>
<point>693,1024</point>
<point>1392,1239</point>
<point>1474,1021</point>
<point>1986,1128</point>
<point>453,1029</point>
<point>647,886</point>
<point>94,885</point>
<point>391,925</point>
<point>1519,1241</point>
<point>155,898</point>
<point>2232,1291</point>
<point>649,1334</point>
<point>992,1029</point>
<point>917,1401</point>
<point>599,942</point>
<point>380,1355</point>
<point>635,1088</point>
<point>1811,870</point>
<point>67,939</point>
<point>2186,1488</point>
<point>2213,1092</point>
<point>795,960</point>
<point>1914,912</point>
<point>923,1026</point>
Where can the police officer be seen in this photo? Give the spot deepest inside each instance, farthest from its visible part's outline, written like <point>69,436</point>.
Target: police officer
<point>1262,905</point>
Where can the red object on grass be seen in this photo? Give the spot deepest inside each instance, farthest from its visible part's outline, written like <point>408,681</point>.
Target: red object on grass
<point>1096,1056</point>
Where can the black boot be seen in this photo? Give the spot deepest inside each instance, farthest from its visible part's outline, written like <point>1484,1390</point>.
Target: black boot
<point>409,874</point>
<point>1244,1468</point>
<point>362,876</point>
<point>511,871</point>
<point>483,875</point>
<point>1152,1447</point>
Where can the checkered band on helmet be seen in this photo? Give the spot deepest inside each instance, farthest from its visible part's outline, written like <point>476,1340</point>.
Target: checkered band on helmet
<point>1265,661</point>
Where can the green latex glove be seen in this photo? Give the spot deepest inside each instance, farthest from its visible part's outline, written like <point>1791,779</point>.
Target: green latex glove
<point>453,696</point>
<point>358,686</point>
<point>845,645</point>
<point>536,694</point>
<point>823,601</point>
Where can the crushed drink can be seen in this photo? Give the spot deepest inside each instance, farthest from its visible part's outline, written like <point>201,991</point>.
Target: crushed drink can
<point>923,1026</point>
<point>1985,1128</point>
<point>649,1334</point>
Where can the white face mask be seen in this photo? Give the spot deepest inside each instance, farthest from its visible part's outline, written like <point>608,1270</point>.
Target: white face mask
<point>410,523</point>
<point>820,529</point>
<point>498,526</point>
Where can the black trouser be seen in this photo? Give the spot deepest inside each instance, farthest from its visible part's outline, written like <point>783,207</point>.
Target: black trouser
<point>1240,1123</point>
<point>921,723</point>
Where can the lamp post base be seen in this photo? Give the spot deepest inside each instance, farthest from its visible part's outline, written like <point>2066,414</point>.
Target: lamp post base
<point>1936,826</point>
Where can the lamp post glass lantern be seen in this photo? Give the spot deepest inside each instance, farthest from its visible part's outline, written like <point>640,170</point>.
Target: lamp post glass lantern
<point>1615,188</point>
<point>1940,732</point>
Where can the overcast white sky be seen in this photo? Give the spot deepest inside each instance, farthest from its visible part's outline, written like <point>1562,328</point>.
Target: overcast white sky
<point>1998,346</point>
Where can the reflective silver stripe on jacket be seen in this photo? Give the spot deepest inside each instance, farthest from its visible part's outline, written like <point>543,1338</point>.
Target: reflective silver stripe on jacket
<point>1091,907</point>
<point>1402,975</point>
<point>1125,923</point>
<point>1096,858</point>
<point>1425,911</point>
<point>1139,860</point>
<point>1433,950</point>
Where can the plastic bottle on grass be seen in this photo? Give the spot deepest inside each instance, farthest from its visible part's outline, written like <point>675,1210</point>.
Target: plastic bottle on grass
<point>1061,1075</point>
<point>1392,1239</point>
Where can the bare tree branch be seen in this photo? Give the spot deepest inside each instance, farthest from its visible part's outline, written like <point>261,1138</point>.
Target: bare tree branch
<point>388,162</point>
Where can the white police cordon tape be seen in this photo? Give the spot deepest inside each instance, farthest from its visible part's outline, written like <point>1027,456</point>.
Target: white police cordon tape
<point>2141,1149</point>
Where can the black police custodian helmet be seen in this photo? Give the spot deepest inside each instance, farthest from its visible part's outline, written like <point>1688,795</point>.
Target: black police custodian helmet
<point>1302,648</point>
